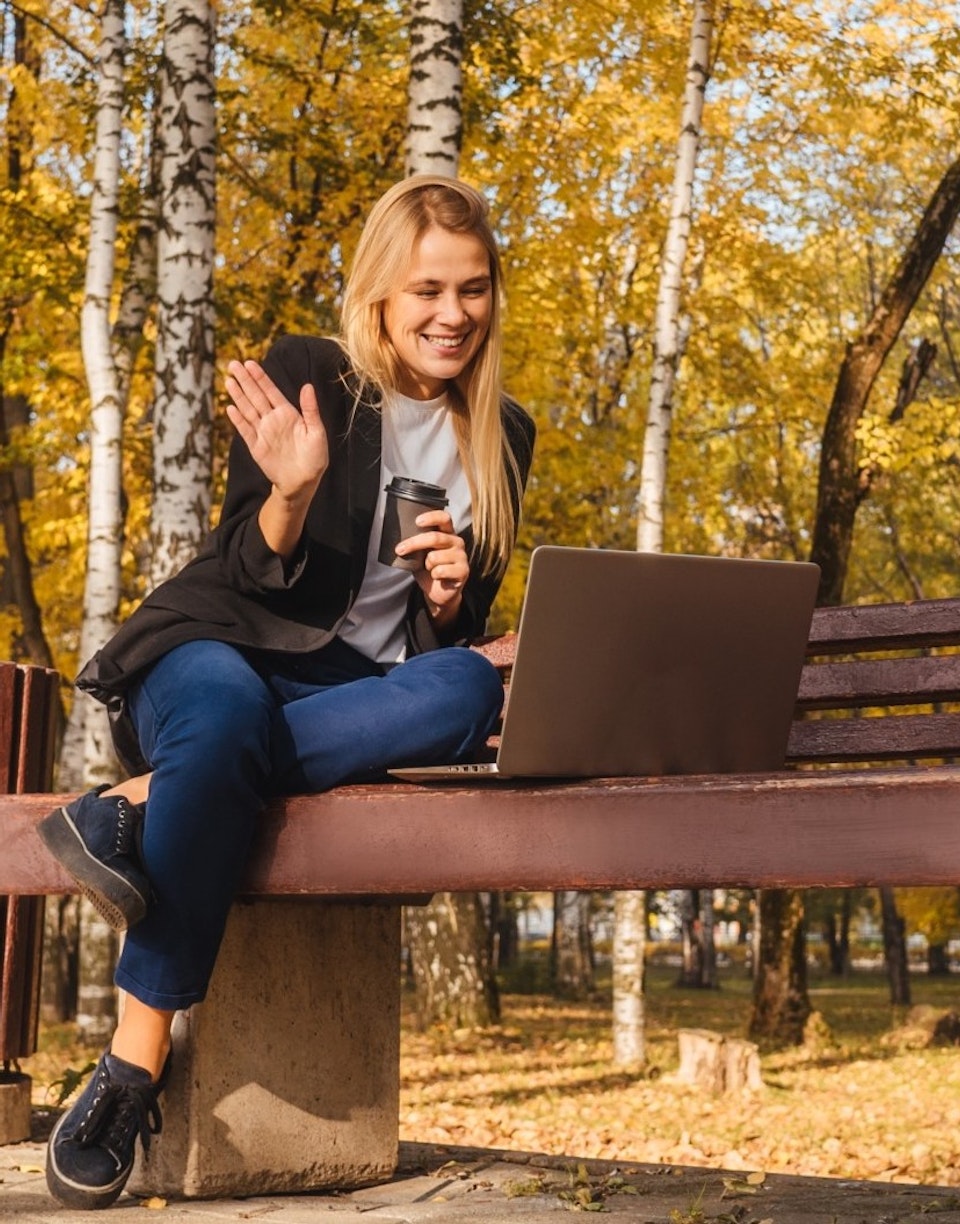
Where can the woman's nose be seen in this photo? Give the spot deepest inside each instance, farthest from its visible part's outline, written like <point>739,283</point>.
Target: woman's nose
<point>451,309</point>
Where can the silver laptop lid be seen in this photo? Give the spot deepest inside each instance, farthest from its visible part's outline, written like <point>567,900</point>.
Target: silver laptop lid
<point>652,663</point>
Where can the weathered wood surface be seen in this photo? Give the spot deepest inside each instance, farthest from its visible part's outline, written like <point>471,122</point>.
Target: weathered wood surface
<point>28,710</point>
<point>798,829</point>
<point>716,1063</point>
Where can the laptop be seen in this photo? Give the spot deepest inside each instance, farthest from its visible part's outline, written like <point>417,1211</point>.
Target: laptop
<point>632,663</point>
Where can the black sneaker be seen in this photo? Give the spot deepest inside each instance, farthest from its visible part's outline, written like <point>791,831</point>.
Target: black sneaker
<point>90,1152</point>
<point>98,841</point>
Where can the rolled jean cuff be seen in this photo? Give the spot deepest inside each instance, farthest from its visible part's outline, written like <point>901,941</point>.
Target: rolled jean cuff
<point>153,998</point>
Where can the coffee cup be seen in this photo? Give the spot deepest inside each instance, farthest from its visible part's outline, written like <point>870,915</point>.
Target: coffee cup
<point>406,498</point>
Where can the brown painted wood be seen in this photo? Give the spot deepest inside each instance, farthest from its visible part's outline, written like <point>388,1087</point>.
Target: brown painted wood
<point>27,727</point>
<point>793,829</point>
<point>880,682</point>
<point>875,627</point>
<point>897,738</point>
<point>832,827</point>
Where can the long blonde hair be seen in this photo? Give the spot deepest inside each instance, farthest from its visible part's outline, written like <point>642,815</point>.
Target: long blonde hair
<point>397,221</point>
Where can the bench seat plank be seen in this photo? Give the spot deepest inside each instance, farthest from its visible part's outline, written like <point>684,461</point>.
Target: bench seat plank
<point>832,828</point>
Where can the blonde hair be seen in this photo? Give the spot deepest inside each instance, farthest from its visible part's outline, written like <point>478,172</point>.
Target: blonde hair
<point>383,256</point>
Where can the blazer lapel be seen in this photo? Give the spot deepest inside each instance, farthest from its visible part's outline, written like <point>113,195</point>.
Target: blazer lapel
<point>364,448</point>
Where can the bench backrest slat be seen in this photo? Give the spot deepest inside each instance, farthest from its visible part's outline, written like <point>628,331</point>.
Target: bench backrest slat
<point>911,671</point>
<point>858,628</point>
<point>880,682</point>
<point>897,738</point>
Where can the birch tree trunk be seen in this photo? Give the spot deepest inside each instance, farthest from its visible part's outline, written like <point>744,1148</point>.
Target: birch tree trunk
<point>571,952</point>
<point>434,112</point>
<point>460,981</point>
<point>139,292</point>
<point>136,300</point>
<point>666,345</point>
<point>449,963</point>
<point>96,993</point>
<point>656,442</point>
<point>87,756</point>
<point>182,441</point>
<point>629,951</point>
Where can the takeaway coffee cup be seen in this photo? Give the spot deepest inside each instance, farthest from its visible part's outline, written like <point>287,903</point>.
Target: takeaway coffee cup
<point>406,499</point>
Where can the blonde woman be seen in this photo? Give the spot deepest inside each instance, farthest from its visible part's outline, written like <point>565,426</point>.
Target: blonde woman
<point>286,657</point>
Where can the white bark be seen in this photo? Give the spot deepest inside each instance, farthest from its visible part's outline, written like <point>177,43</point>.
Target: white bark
<point>96,993</point>
<point>434,113</point>
<point>451,973</point>
<point>448,956</point>
<point>87,755</point>
<point>629,950</point>
<point>629,931</point>
<point>140,282</point>
<point>667,343</point>
<point>185,318</point>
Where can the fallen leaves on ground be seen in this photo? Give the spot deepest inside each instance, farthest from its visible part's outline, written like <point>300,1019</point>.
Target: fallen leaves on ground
<point>850,1105</point>
<point>868,1097</point>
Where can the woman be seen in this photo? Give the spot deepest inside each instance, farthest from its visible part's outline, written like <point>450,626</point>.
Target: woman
<point>285,657</point>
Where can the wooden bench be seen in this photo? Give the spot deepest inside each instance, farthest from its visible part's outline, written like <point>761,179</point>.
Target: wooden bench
<point>287,1076</point>
<point>28,708</point>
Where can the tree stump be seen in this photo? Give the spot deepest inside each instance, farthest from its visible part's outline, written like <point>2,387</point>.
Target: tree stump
<point>718,1064</point>
<point>14,1107</point>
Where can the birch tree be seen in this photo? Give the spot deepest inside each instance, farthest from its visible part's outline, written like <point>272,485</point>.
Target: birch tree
<point>448,938</point>
<point>87,757</point>
<point>629,968</point>
<point>667,346</point>
<point>434,112</point>
<point>183,405</point>
<point>109,350</point>
<point>629,909</point>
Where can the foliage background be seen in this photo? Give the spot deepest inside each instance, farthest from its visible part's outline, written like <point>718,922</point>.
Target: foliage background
<point>826,129</point>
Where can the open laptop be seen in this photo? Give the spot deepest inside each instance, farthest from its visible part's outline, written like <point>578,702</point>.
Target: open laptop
<point>631,663</point>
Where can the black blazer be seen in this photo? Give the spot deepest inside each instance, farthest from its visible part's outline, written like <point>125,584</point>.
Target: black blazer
<point>238,590</point>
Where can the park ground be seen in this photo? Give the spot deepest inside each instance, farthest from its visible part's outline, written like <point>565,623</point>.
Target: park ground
<point>867,1097</point>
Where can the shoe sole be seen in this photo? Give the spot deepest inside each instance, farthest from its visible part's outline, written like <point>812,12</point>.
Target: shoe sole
<point>76,1195</point>
<point>113,896</point>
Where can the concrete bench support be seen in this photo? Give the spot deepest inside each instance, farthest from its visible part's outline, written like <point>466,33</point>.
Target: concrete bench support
<point>286,1077</point>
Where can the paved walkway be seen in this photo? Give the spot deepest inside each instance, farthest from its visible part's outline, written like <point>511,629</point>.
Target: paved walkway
<point>451,1185</point>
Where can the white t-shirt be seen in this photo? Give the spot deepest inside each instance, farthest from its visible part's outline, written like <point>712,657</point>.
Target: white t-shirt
<point>418,441</point>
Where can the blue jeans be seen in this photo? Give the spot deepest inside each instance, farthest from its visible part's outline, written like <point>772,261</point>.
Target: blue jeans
<point>224,729</point>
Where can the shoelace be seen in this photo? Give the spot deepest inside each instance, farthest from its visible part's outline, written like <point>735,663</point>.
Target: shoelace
<point>128,822</point>
<point>117,1111</point>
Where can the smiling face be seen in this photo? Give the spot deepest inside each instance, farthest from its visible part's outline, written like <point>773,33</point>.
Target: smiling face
<point>439,317</point>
